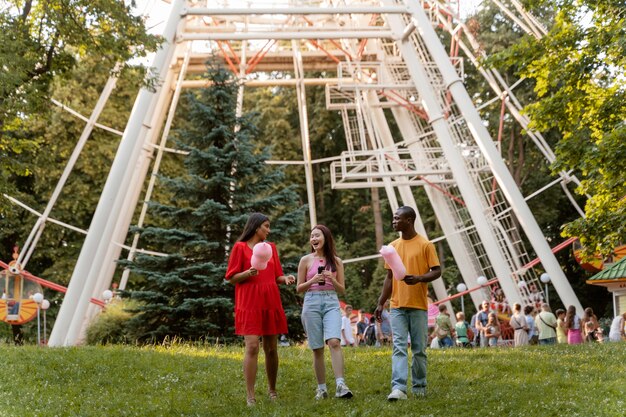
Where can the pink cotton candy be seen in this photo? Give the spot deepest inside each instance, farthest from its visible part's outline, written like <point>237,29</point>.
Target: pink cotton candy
<point>393,260</point>
<point>261,255</point>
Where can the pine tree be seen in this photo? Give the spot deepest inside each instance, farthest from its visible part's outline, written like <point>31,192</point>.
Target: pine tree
<point>184,294</point>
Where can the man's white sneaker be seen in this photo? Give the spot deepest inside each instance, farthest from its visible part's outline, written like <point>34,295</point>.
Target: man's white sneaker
<point>396,395</point>
<point>343,391</point>
<point>321,394</point>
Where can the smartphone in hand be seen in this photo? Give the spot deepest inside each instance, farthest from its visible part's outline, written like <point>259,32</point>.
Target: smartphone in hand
<point>321,269</point>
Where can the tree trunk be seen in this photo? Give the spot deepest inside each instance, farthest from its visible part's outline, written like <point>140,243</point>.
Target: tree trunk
<point>378,220</point>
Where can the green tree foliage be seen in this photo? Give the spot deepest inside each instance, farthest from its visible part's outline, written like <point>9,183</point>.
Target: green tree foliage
<point>58,131</point>
<point>225,178</point>
<point>40,40</point>
<point>579,75</point>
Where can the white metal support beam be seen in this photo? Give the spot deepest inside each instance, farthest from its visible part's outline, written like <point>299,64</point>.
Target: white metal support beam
<point>500,171</point>
<point>35,234</point>
<point>452,154</point>
<point>82,283</point>
<point>304,131</point>
<point>380,123</point>
<point>446,221</point>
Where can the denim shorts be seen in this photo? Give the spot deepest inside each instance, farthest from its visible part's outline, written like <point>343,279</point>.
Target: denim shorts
<point>321,317</point>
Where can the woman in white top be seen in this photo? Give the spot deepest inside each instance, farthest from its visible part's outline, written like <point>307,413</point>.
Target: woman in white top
<point>519,324</point>
<point>616,333</point>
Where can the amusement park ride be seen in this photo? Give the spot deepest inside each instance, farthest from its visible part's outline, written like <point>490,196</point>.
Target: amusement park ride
<point>384,64</point>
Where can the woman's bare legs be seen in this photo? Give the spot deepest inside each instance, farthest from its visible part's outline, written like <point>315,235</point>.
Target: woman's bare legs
<point>318,365</point>
<point>336,357</point>
<point>250,363</point>
<point>270,348</point>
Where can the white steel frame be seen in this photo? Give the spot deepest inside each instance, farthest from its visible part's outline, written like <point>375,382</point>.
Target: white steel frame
<point>382,56</point>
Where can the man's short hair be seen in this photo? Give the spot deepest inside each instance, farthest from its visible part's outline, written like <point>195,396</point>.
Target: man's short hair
<point>409,212</point>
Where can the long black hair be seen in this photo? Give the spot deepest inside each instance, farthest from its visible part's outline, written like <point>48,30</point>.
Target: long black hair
<point>330,252</point>
<point>254,222</point>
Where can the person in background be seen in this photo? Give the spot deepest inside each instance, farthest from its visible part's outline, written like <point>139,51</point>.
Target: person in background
<point>599,335</point>
<point>492,330</point>
<point>572,325</point>
<point>476,340</point>
<point>384,326</point>
<point>561,331</point>
<point>409,304</point>
<point>616,333</point>
<point>347,337</point>
<point>546,325</point>
<point>462,331</point>
<point>520,325</point>
<point>370,335</point>
<point>590,333</point>
<point>259,312</point>
<point>360,329</point>
<point>482,317</point>
<point>529,312</point>
<point>321,278</point>
<point>444,331</point>
<point>589,317</point>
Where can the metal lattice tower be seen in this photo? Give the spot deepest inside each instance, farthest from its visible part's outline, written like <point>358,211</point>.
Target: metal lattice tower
<point>377,55</point>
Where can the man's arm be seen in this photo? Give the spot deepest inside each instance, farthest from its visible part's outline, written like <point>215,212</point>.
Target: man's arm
<point>433,274</point>
<point>384,296</point>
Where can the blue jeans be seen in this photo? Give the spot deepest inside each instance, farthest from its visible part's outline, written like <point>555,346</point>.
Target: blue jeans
<point>445,342</point>
<point>404,322</point>
<point>548,341</point>
<point>321,317</point>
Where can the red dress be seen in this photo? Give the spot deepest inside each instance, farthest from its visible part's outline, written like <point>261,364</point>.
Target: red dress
<point>258,309</point>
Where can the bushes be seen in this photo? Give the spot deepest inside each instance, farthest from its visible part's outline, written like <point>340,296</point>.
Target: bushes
<point>109,327</point>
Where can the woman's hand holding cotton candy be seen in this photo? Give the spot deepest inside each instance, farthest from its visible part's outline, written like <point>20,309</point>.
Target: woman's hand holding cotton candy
<point>261,254</point>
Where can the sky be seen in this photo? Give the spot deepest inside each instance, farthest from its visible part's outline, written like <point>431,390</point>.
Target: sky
<point>157,10</point>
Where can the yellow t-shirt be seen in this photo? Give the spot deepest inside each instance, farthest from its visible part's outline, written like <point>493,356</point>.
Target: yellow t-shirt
<point>418,256</point>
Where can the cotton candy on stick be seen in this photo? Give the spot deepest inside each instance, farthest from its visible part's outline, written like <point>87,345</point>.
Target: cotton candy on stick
<point>393,260</point>
<point>261,255</point>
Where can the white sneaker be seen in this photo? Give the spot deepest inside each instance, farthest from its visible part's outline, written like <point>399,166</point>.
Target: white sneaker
<point>396,395</point>
<point>343,391</point>
<point>321,394</point>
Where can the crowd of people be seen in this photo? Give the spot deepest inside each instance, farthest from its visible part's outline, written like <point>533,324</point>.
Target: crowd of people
<point>400,318</point>
<point>530,326</point>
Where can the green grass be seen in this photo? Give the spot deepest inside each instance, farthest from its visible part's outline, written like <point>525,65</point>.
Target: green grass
<point>585,380</point>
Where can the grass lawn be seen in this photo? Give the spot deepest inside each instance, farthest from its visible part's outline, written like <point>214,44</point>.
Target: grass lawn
<point>584,380</point>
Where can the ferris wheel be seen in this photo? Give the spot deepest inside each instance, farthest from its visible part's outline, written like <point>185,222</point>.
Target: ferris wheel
<point>384,65</point>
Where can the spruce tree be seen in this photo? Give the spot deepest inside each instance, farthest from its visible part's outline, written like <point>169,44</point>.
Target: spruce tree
<point>225,179</point>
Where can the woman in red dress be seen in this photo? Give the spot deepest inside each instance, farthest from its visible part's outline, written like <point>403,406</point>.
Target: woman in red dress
<point>258,309</point>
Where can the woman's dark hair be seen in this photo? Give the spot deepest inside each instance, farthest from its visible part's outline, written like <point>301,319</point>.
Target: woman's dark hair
<point>528,309</point>
<point>254,222</point>
<point>329,246</point>
<point>569,317</point>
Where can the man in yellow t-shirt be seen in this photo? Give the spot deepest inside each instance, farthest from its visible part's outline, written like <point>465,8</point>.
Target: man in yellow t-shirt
<point>409,304</point>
